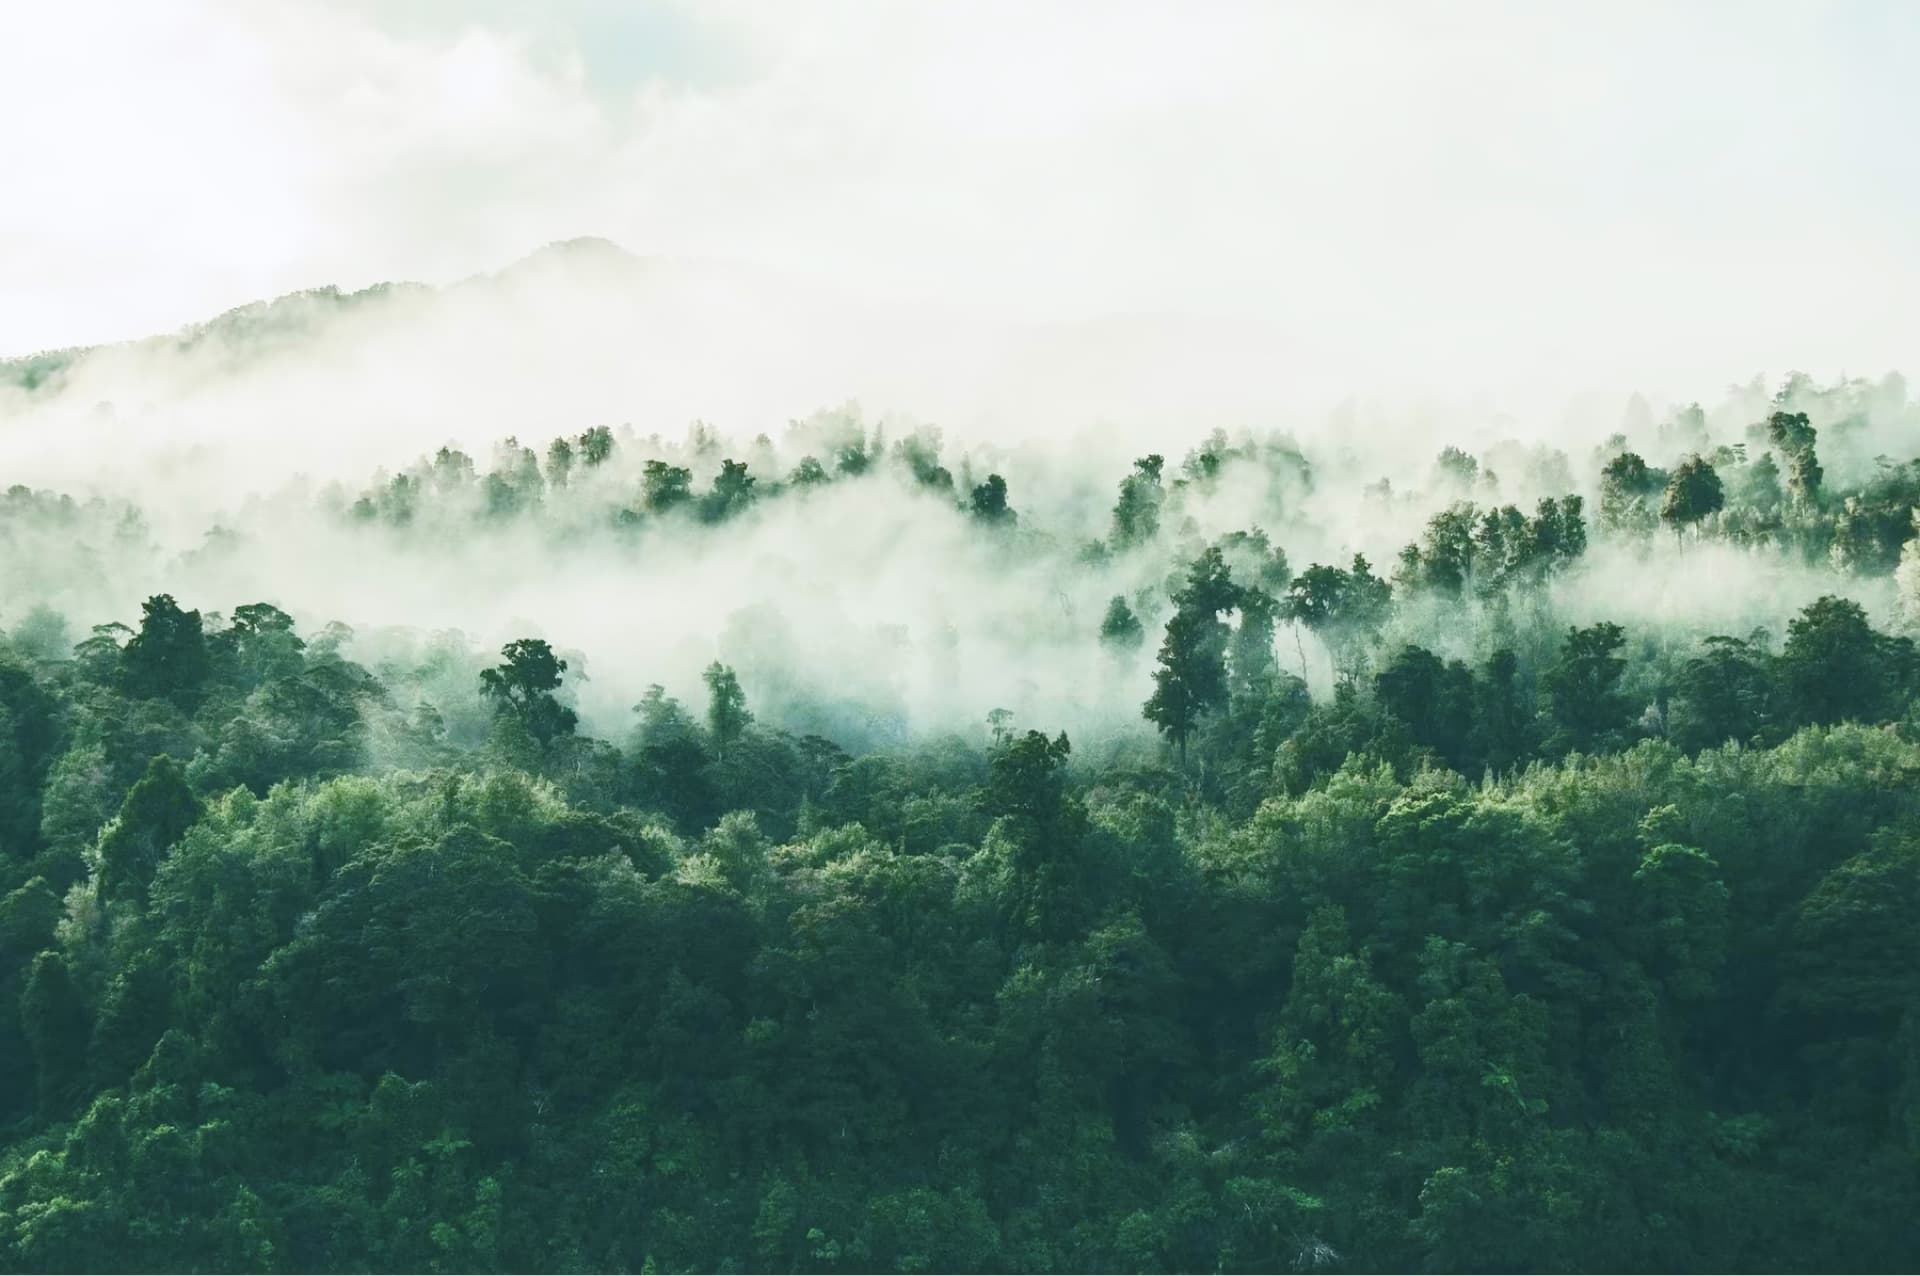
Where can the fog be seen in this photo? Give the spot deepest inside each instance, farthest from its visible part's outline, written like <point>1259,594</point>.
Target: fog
<point>870,608</point>
<point>1371,233</point>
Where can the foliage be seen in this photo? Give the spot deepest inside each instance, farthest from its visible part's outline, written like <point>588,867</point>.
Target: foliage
<point>1526,940</point>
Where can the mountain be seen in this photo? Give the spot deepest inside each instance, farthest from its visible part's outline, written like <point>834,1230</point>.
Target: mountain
<point>262,328</point>
<point>584,332</point>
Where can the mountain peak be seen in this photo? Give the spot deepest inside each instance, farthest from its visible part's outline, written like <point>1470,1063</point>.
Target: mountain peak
<point>588,248</point>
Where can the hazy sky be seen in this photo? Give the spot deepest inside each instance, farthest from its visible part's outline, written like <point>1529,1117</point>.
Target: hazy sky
<point>1607,194</point>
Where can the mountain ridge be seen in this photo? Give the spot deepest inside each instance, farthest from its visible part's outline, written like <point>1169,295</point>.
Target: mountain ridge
<point>255,327</point>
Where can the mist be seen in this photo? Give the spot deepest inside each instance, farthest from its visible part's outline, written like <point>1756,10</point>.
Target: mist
<point>1143,235</point>
<point>245,459</point>
<point>718,635</point>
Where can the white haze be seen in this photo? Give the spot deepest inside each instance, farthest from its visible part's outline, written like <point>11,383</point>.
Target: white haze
<point>1064,238</point>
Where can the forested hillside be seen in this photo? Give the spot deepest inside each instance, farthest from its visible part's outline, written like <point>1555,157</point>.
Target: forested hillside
<point>1250,864</point>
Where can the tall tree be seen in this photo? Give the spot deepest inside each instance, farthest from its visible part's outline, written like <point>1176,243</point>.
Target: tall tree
<point>1345,609</point>
<point>523,687</point>
<point>1191,678</point>
<point>1583,688</point>
<point>1693,493</point>
<point>1250,662</point>
<point>665,488</point>
<point>1836,668</point>
<point>1628,486</point>
<point>559,462</point>
<point>727,713</point>
<point>731,493</point>
<point>1120,629</point>
<point>988,502</point>
<point>1794,435</point>
<point>1724,693</point>
<point>167,659</point>
<point>596,446</point>
<point>1136,515</point>
<point>1027,790</point>
<point>157,810</point>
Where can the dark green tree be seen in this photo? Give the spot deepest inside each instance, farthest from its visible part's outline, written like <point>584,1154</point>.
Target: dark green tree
<point>1503,714</point>
<point>665,488</point>
<point>1251,666</point>
<point>157,811</point>
<point>167,659</point>
<point>1120,629</point>
<point>1027,791</point>
<point>1345,609</point>
<point>523,688</point>
<point>1724,693</point>
<point>727,713</point>
<point>596,446</point>
<point>1434,699</point>
<point>1584,699</point>
<point>988,503</point>
<point>1793,434</point>
<point>1191,679</point>
<point>1628,487</point>
<point>1693,493</point>
<point>730,495</point>
<point>55,1021</point>
<point>1835,667</point>
<point>1136,515</point>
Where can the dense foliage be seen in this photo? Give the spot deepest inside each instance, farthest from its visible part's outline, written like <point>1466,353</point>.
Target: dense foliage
<point>1561,946</point>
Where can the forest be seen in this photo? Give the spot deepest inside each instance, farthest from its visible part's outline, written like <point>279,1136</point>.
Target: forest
<point>1234,859</point>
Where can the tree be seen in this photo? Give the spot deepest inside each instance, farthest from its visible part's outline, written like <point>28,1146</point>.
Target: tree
<point>1502,717</point>
<point>1627,485</point>
<point>55,1021</point>
<point>1120,629</point>
<point>809,473</point>
<point>1256,560</point>
<point>1855,946</point>
<point>1250,662</point>
<point>167,659</point>
<point>523,687</point>
<point>157,811</point>
<point>920,453</point>
<point>1680,919</point>
<point>1907,578</point>
<point>596,446</point>
<point>1136,515</point>
<point>1345,609</point>
<point>1209,587</point>
<point>559,462</point>
<point>30,735</point>
<point>1583,688</point>
<point>1724,693</point>
<point>1693,493</point>
<point>262,644</point>
<point>1443,561</point>
<point>1455,469</point>
<point>1435,699</point>
<point>665,487</point>
<point>1046,827</point>
<point>988,503</point>
<point>1835,667</point>
<point>1794,436</point>
<point>1191,678</point>
<point>731,494</point>
<point>727,714</point>
<point>1760,486</point>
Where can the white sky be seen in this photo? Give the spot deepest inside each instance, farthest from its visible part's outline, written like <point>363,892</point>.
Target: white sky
<point>1455,197</point>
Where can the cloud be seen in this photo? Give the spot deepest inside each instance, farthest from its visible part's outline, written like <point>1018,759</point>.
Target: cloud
<point>1493,196</point>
